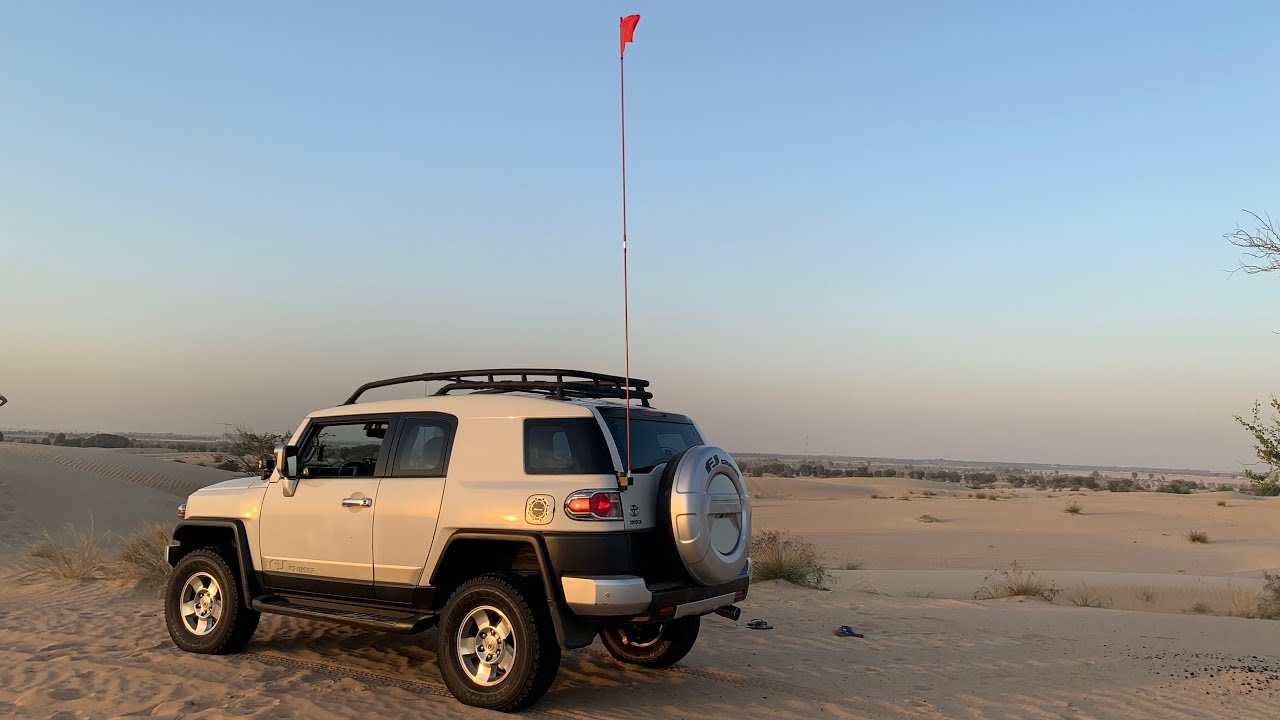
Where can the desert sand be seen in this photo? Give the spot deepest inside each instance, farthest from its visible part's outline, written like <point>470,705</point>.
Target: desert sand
<point>98,648</point>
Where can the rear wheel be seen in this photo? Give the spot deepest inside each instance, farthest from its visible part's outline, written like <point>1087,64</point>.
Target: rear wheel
<point>204,606</point>
<point>655,645</point>
<point>497,649</point>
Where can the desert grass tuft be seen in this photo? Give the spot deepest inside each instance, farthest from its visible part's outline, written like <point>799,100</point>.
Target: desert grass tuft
<point>1073,508</point>
<point>770,495</point>
<point>775,557</point>
<point>1085,596</point>
<point>1202,608</point>
<point>75,556</point>
<point>852,565</point>
<point>1197,536</point>
<point>927,519</point>
<point>141,555</point>
<point>1146,595</point>
<point>1222,503</point>
<point>1245,603</point>
<point>1015,582</point>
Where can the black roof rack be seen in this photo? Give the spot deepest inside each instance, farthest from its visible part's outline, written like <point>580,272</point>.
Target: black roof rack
<point>562,384</point>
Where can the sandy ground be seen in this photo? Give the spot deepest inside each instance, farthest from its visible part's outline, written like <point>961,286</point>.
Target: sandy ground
<point>98,648</point>
<point>1130,549</point>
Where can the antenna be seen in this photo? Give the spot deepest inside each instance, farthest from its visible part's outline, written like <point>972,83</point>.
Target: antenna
<point>626,33</point>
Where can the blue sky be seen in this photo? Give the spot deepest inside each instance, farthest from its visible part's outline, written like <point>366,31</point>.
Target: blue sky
<point>914,230</point>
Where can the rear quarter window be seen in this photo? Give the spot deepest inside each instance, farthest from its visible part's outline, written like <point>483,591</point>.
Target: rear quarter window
<point>565,446</point>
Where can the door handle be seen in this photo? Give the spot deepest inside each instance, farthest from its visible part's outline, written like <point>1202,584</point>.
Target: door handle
<point>357,502</point>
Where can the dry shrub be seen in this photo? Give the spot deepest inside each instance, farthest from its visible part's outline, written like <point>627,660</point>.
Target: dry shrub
<point>1197,536</point>
<point>1015,582</point>
<point>76,556</point>
<point>142,554</point>
<point>852,565</point>
<point>929,493</point>
<point>1269,605</point>
<point>1202,608</point>
<point>1222,503</point>
<point>1146,595</point>
<point>771,495</point>
<point>927,519</point>
<point>775,557</point>
<point>1085,596</point>
<point>1073,508</point>
<point>1245,603</point>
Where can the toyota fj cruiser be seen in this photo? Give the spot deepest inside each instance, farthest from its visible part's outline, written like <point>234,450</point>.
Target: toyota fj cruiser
<point>502,509</point>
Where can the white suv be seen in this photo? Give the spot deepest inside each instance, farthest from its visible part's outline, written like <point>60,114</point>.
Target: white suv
<point>499,509</point>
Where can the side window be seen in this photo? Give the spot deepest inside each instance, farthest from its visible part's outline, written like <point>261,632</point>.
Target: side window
<point>423,450</point>
<point>565,446</point>
<point>345,449</point>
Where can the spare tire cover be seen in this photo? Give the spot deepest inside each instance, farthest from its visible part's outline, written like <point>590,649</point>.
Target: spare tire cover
<point>710,513</point>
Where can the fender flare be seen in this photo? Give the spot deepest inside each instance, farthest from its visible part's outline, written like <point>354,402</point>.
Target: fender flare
<point>239,545</point>
<point>571,632</point>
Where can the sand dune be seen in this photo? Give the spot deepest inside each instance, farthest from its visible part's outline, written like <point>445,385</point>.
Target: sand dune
<point>176,479</point>
<point>98,648</point>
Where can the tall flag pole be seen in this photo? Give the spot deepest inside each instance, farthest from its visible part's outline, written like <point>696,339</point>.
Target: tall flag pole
<point>626,34</point>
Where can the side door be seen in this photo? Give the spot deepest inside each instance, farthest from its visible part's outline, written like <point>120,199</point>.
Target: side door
<point>320,540</point>
<point>409,503</point>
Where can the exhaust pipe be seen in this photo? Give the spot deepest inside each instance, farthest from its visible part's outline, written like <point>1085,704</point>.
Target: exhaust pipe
<point>733,612</point>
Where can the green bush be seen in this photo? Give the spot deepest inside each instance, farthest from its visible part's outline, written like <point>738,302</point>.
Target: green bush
<point>1269,606</point>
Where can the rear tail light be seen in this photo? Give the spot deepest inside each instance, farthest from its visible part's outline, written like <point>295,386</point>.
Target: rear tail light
<point>594,505</point>
<point>182,510</point>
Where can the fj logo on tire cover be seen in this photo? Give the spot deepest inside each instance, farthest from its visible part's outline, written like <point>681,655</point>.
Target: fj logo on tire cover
<point>539,509</point>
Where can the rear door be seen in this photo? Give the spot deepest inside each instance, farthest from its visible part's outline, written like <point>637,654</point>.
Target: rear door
<point>320,540</point>
<point>656,437</point>
<point>409,503</point>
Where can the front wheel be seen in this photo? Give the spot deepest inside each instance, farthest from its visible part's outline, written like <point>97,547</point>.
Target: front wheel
<point>655,645</point>
<point>497,649</point>
<point>204,608</point>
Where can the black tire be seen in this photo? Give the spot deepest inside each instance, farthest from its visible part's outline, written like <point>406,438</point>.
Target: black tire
<point>656,645</point>
<point>536,652</point>
<point>235,623</point>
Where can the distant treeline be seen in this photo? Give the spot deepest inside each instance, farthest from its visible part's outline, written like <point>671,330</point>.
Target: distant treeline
<point>111,440</point>
<point>977,478</point>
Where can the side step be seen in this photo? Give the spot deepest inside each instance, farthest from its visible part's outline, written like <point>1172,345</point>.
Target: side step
<point>408,623</point>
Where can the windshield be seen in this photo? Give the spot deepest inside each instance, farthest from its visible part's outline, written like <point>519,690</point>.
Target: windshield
<point>653,440</point>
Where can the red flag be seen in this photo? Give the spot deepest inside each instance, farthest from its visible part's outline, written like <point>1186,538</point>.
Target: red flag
<point>627,32</point>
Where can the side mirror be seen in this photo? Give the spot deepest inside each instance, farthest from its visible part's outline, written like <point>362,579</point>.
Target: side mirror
<point>286,466</point>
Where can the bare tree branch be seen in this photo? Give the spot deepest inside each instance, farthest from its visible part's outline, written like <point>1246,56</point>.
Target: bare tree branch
<point>244,448</point>
<point>1262,245</point>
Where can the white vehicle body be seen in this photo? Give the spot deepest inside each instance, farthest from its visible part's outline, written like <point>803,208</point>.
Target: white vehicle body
<point>375,511</point>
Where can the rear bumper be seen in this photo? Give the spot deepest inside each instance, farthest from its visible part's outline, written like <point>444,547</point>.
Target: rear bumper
<point>629,597</point>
